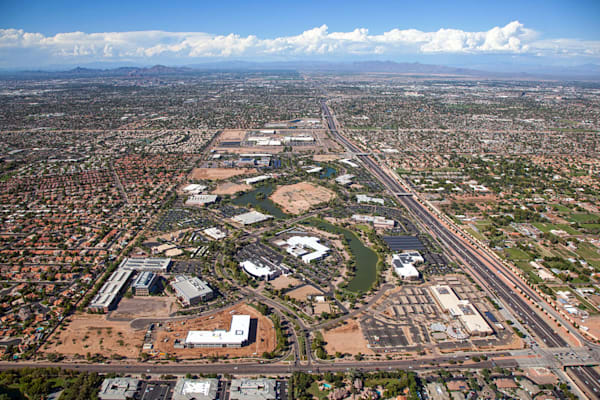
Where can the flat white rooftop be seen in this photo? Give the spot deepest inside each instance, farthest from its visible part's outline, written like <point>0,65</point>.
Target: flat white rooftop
<point>201,199</point>
<point>297,246</point>
<point>146,264</point>
<point>236,335</point>
<point>258,270</point>
<point>251,217</point>
<point>461,309</point>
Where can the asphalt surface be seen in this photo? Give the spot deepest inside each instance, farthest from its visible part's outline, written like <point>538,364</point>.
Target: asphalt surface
<point>589,380</point>
<point>268,369</point>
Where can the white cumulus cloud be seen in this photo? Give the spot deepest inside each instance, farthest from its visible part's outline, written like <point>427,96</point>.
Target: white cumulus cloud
<point>513,38</point>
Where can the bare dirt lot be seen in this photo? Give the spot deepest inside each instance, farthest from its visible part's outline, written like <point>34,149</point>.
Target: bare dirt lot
<point>231,135</point>
<point>303,292</point>
<point>283,282</point>
<point>148,306</point>
<point>92,333</point>
<point>216,174</point>
<point>231,188</point>
<point>326,157</point>
<point>265,337</point>
<point>300,197</point>
<point>347,338</point>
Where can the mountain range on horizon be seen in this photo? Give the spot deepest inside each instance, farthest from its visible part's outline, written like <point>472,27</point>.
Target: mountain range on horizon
<point>583,72</point>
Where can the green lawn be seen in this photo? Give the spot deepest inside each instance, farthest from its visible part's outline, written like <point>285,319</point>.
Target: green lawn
<point>314,390</point>
<point>516,254</point>
<point>587,251</point>
<point>583,218</point>
<point>560,208</point>
<point>548,227</point>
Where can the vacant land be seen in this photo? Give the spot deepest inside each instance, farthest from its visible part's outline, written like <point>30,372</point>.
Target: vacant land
<point>89,333</point>
<point>326,157</point>
<point>283,282</point>
<point>231,188</point>
<point>303,292</point>
<point>216,174</point>
<point>231,135</point>
<point>347,338</point>
<point>140,307</point>
<point>265,338</point>
<point>300,197</point>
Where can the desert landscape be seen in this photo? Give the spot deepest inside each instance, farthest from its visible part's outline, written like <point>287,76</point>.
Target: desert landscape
<point>230,188</point>
<point>265,341</point>
<point>300,197</point>
<point>217,174</point>
<point>347,338</point>
<point>92,333</point>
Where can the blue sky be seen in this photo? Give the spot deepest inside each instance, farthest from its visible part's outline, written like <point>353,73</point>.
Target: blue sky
<point>183,32</point>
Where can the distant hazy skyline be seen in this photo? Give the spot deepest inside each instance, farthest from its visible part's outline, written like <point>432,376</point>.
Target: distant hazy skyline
<point>35,34</point>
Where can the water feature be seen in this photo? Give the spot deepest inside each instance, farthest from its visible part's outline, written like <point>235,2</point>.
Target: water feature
<point>365,258</point>
<point>259,197</point>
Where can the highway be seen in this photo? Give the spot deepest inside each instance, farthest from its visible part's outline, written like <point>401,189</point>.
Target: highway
<point>270,369</point>
<point>484,266</point>
<point>589,380</point>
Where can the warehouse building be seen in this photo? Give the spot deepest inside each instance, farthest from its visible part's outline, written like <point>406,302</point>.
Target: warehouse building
<point>146,264</point>
<point>236,336</point>
<point>110,293</point>
<point>196,389</point>
<point>145,283</point>
<point>463,310</point>
<point>191,290</point>
<point>252,389</point>
<point>201,199</point>
<point>261,270</point>
<point>251,217</point>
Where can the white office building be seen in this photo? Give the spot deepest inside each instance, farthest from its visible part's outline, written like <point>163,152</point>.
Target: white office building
<point>260,270</point>
<point>236,336</point>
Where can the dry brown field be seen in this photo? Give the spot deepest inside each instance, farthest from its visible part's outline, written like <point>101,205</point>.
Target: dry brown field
<point>283,282</point>
<point>92,333</point>
<point>230,188</point>
<point>347,338</point>
<point>266,339</point>
<point>216,174</point>
<point>303,292</point>
<point>300,197</point>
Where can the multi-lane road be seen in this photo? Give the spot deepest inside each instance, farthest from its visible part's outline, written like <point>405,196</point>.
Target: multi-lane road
<point>484,266</point>
<point>488,269</point>
<point>271,369</point>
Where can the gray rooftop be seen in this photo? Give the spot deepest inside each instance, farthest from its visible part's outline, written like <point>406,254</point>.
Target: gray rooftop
<point>252,389</point>
<point>118,388</point>
<point>199,389</point>
<point>146,264</point>
<point>190,287</point>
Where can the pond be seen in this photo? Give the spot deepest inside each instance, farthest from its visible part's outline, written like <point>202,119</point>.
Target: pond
<point>366,259</point>
<point>252,198</point>
<point>327,172</point>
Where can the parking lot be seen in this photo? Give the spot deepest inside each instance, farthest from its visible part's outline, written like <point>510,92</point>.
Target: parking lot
<point>181,218</point>
<point>403,320</point>
<point>156,390</point>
